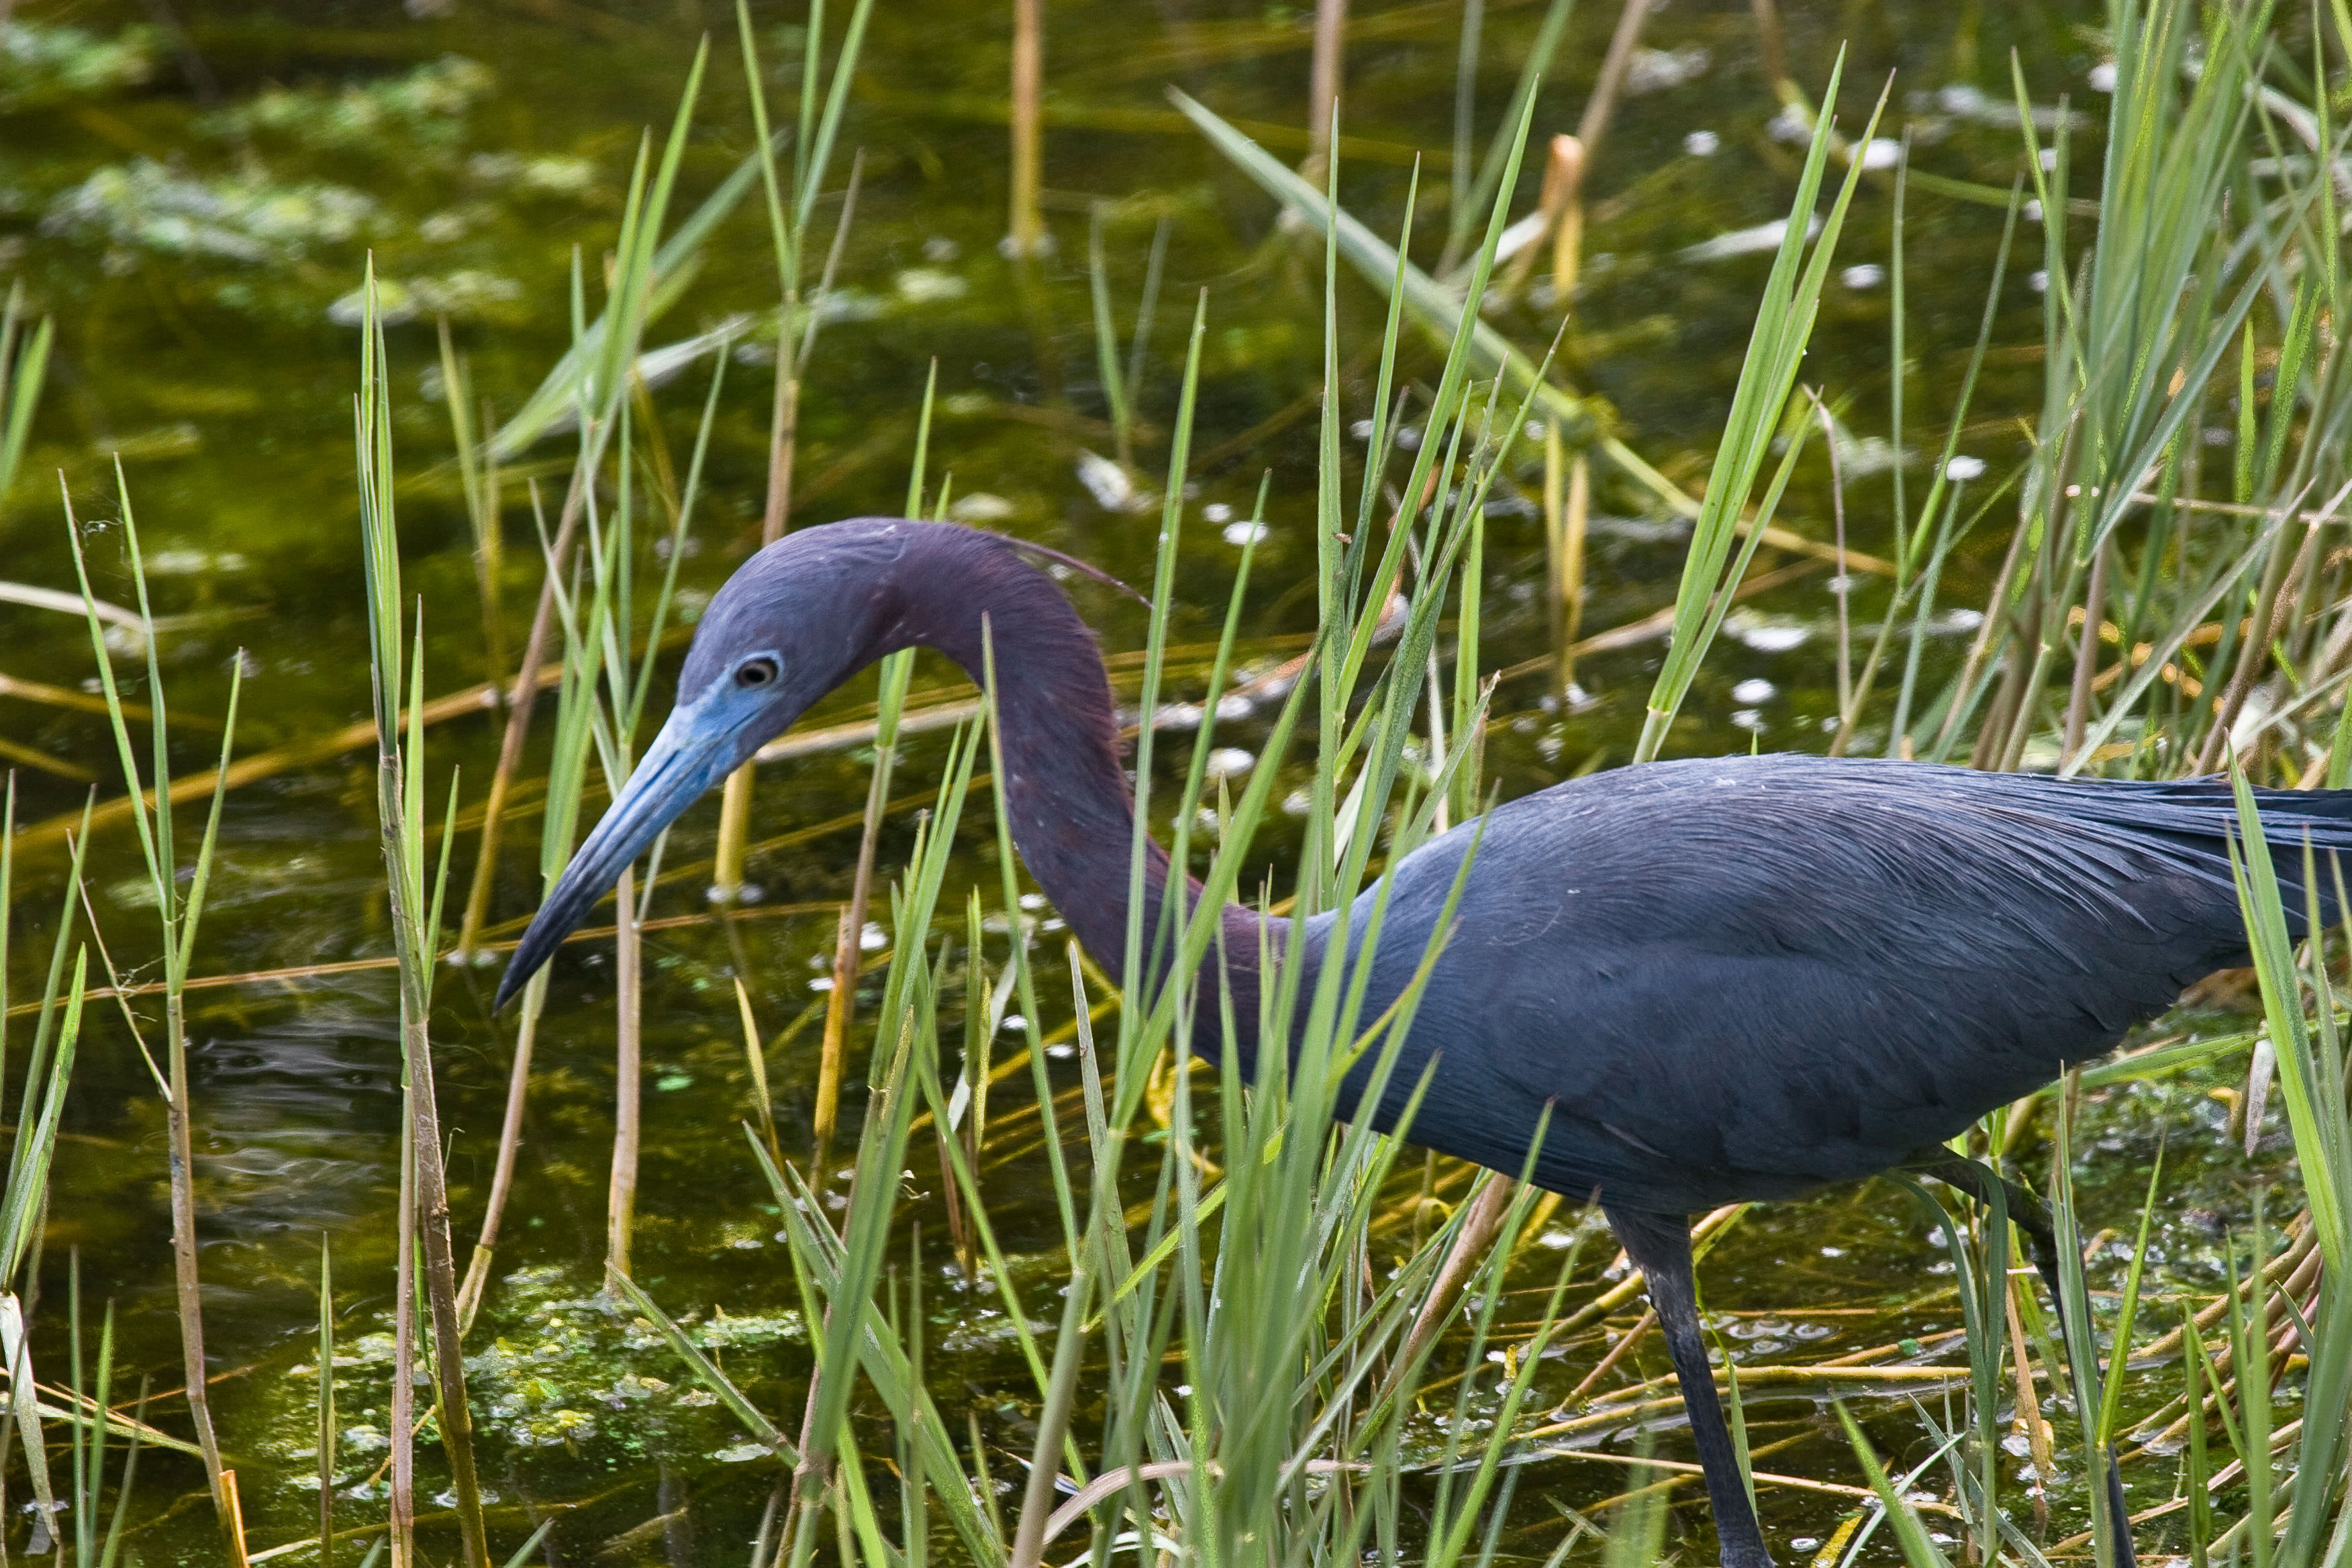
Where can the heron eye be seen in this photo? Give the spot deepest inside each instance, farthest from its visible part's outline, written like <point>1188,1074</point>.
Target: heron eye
<point>755,672</point>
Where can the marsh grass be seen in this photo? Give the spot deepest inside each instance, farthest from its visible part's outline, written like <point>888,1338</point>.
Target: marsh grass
<point>178,913</point>
<point>1260,1355</point>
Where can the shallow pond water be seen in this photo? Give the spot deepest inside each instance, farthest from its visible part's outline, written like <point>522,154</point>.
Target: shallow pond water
<point>191,193</point>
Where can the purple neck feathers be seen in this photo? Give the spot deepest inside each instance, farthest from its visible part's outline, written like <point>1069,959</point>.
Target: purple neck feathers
<point>1066,797</point>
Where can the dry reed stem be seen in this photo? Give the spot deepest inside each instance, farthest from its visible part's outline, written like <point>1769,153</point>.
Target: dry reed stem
<point>1488,1210</point>
<point>530,676</point>
<point>1602,107</point>
<point>485,1241</point>
<point>1761,1478</point>
<point>186,1283</point>
<point>628,1085</point>
<point>1323,83</point>
<point>1561,205</point>
<point>2029,1404</point>
<point>402,1511</point>
<point>1026,233</point>
<point>431,1198</point>
<point>1771,54</point>
<point>84,703</point>
<point>1617,1352</point>
<point>187,787</point>
<point>825,1116</point>
<point>232,1522</point>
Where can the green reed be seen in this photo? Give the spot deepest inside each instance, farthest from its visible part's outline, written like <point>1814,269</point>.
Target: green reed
<point>416,885</point>
<point>178,914</point>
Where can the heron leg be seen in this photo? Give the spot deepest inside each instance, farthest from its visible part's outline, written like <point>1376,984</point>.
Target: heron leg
<point>1659,1245</point>
<point>2027,1212</point>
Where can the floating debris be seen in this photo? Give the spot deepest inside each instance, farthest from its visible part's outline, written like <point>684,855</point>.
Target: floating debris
<point>1765,634</point>
<point>930,286</point>
<point>1745,241</point>
<point>1655,71</point>
<point>1111,486</point>
<point>43,64</point>
<point>142,205</point>
<point>981,506</point>
<point>467,294</point>
<point>401,115</point>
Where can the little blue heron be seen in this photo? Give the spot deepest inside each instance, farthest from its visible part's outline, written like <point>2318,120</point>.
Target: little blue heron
<point>1703,981</point>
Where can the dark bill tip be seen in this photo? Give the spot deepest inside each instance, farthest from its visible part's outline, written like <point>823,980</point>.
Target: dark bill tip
<point>677,768</point>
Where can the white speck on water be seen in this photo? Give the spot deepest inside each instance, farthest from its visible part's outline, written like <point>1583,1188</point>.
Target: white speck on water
<point>1744,241</point>
<point>1061,1053</point>
<point>1226,761</point>
<point>1239,534</point>
<point>2032,211</point>
<point>1033,901</point>
<point>2038,280</point>
<point>1862,275</point>
<point>1963,97</point>
<point>1297,803</point>
<point>939,248</point>
<point>1179,716</point>
<point>1702,144</point>
<point>1766,635</point>
<point>1749,719</point>
<point>1013,1025</point>
<point>1108,483</point>
<point>1557,1240</point>
<point>1792,124</point>
<point>1234,706</point>
<point>1832,1252</point>
<point>979,506</point>
<point>821,982</point>
<point>1751,691</point>
<point>2103,77</point>
<point>1184,1391</point>
<point>1407,439</point>
<point>929,286</point>
<point>1961,469</point>
<point>1362,429</point>
<point>873,939</point>
<point>1881,153</point>
<point>1805,1543</point>
<point>1655,71</point>
<point>1217,511</point>
<point>1960,620</point>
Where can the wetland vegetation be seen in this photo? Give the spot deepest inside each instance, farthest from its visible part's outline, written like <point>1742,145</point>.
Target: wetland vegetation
<point>366,364</point>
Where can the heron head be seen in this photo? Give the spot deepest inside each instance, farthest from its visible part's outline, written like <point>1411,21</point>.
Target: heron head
<point>793,623</point>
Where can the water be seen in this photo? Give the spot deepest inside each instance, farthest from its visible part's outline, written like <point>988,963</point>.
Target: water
<point>193,207</point>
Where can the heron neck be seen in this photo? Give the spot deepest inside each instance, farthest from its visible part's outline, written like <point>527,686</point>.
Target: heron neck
<point>1067,795</point>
